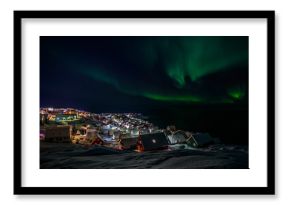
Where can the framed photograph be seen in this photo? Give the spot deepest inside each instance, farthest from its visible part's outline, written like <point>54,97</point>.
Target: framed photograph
<point>144,102</point>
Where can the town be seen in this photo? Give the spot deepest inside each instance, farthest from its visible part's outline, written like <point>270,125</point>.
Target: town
<point>115,131</point>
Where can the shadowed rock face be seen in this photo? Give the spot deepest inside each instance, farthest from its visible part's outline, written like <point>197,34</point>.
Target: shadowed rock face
<point>69,156</point>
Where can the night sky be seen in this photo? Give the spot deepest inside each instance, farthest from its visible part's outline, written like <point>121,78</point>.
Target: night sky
<point>198,76</point>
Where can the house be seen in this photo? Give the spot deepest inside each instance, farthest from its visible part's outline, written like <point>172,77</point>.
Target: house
<point>58,134</point>
<point>116,135</point>
<point>128,143</point>
<point>43,118</point>
<point>177,137</point>
<point>97,140</point>
<point>87,135</point>
<point>152,141</point>
<point>200,140</point>
<point>192,139</point>
<point>92,137</point>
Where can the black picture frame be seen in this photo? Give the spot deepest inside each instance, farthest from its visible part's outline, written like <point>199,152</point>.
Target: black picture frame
<point>269,189</point>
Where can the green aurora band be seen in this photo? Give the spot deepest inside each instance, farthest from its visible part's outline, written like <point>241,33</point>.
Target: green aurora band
<point>237,93</point>
<point>183,58</point>
<point>177,98</point>
<point>100,75</point>
<point>202,56</point>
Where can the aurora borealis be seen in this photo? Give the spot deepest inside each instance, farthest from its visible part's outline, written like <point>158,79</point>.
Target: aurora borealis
<point>144,73</point>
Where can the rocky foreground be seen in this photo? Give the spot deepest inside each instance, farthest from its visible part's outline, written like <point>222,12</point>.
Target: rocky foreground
<point>73,156</point>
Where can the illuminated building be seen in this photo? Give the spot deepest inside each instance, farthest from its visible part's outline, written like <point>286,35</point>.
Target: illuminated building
<point>43,118</point>
<point>57,134</point>
<point>152,141</point>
